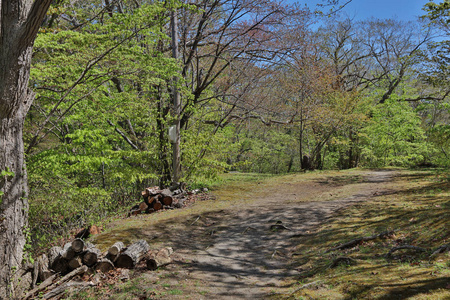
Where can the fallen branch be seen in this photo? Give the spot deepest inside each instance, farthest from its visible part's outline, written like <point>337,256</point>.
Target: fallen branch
<point>81,270</point>
<point>308,285</point>
<point>72,286</point>
<point>195,221</point>
<point>358,241</point>
<point>440,249</point>
<point>41,287</point>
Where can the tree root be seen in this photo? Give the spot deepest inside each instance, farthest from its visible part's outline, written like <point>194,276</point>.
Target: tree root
<point>342,260</point>
<point>440,249</point>
<point>419,249</point>
<point>358,241</point>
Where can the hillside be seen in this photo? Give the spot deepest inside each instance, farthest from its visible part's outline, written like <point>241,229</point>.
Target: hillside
<point>276,237</point>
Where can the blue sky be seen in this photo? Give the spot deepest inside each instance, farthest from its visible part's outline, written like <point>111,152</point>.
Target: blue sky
<point>406,10</point>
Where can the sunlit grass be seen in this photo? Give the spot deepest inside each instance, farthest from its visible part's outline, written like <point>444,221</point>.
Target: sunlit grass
<point>418,213</point>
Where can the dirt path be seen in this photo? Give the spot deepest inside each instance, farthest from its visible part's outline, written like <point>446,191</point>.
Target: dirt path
<point>248,258</point>
<point>233,253</point>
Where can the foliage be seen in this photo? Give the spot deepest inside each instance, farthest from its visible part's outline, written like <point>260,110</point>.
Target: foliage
<point>259,94</point>
<point>393,137</point>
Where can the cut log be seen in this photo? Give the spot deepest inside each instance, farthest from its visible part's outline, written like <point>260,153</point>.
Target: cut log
<point>91,255</point>
<point>116,248</point>
<point>180,203</point>
<point>166,193</point>
<point>61,266</point>
<point>134,253</point>
<point>161,258</point>
<point>67,252</point>
<point>78,245</point>
<point>157,205</point>
<point>75,262</point>
<point>143,206</point>
<point>153,190</point>
<point>150,201</point>
<point>42,267</point>
<point>53,256</point>
<point>104,265</point>
<point>145,194</point>
<point>56,262</point>
<point>167,200</point>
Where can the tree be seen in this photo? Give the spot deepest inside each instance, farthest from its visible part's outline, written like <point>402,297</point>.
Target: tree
<point>20,21</point>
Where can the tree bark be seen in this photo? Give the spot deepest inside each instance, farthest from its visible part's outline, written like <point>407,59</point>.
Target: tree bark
<point>19,24</point>
<point>132,255</point>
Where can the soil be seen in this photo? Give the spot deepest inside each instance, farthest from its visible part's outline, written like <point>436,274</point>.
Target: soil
<point>243,250</point>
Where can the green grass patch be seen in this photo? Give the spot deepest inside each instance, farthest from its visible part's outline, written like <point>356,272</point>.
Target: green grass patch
<point>416,211</point>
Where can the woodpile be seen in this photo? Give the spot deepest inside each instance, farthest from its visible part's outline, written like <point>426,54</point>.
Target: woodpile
<point>155,199</point>
<point>78,257</point>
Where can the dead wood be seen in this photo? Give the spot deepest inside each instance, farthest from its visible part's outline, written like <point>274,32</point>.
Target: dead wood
<point>41,287</point>
<point>68,286</point>
<point>78,245</point>
<point>104,265</point>
<point>143,206</point>
<point>157,205</point>
<point>440,249</point>
<point>167,200</point>
<point>342,260</point>
<point>91,255</point>
<point>134,253</point>
<point>67,252</point>
<point>53,256</point>
<point>56,262</point>
<point>358,241</point>
<point>116,248</point>
<point>80,271</point>
<point>75,262</point>
<point>83,233</point>
<point>160,259</point>
<point>195,221</point>
<point>308,285</point>
<point>35,274</point>
<point>42,268</point>
<point>410,247</point>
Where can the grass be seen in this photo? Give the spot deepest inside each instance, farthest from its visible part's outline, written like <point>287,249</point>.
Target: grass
<point>418,212</point>
<point>417,208</point>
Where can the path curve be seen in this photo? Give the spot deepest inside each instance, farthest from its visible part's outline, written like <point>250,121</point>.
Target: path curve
<point>247,258</point>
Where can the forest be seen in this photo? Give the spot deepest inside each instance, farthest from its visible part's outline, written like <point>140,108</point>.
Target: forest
<point>254,86</point>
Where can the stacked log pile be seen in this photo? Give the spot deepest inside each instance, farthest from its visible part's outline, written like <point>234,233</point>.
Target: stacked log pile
<point>79,257</point>
<point>155,199</point>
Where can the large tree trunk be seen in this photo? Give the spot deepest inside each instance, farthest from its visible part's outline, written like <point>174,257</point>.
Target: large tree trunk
<point>14,204</point>
<point>19,23</point>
